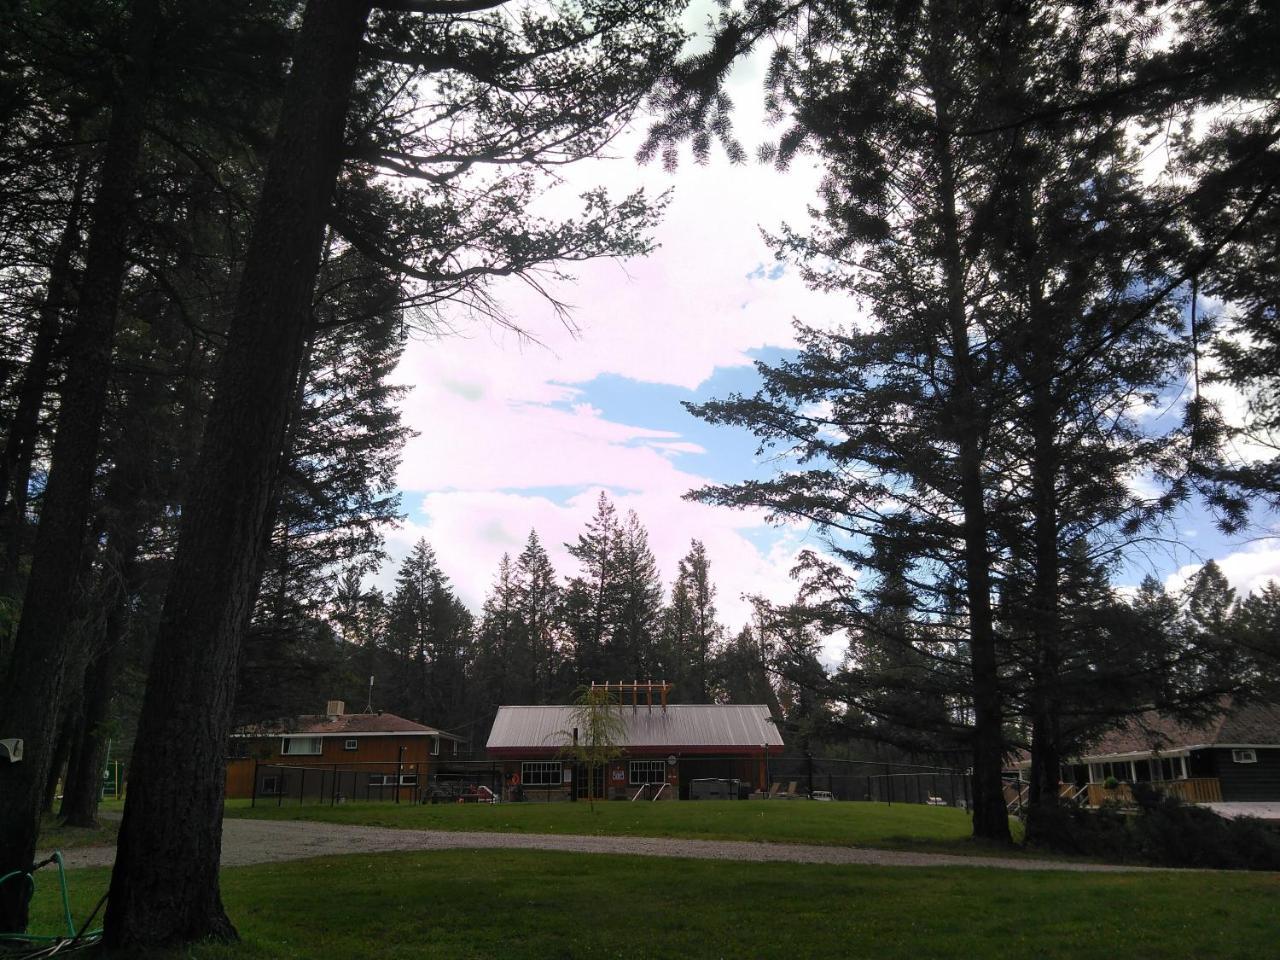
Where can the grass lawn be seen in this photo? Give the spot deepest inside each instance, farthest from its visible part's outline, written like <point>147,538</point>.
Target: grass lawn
<point>533,904</point>
<point>889,826</point>
<point>55,836</point>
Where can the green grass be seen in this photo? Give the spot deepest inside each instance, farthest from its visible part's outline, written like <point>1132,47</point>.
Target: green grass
<point>56,836</point>
<point>896,826</point>
<point>533,904</point>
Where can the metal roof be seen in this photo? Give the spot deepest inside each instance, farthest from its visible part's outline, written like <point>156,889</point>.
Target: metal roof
<point>721,727</point>
<point>378,724</point>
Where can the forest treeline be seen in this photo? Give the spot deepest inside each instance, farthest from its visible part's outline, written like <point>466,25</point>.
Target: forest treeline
<point>219,224</point>
<point>540,636</point>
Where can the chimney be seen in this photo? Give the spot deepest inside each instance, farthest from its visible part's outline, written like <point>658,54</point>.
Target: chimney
<point>335,709</point>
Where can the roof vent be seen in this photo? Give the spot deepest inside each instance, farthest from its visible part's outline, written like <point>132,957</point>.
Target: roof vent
<point>335,709</point>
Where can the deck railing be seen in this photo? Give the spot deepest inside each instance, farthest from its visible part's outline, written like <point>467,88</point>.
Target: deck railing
<point>1196,790</point>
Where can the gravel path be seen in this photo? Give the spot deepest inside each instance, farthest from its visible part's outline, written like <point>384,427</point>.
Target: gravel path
<point>272,841</point>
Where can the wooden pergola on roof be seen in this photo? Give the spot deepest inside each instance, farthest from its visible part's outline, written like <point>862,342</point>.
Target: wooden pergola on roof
<point>635,688</point>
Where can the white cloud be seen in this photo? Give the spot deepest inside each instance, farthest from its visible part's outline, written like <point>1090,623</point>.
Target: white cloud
<point>1248,570</point>
<point>501,420</point>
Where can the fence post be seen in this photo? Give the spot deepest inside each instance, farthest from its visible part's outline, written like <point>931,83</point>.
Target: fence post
<point>399,767</point>
<point>889,777</point>
<point>253,793</point>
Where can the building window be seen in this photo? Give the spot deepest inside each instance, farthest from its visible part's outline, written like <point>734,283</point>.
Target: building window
<point>540,773</point>
<point>1169,768</point>
<point>270,786</point>
<point>350,744</point>
<point>296,746</point>
<point>408,779</point>
<point>648,771</point>
<point>1244,756</point>
<point>435,746</point>
<point>1122,770</point>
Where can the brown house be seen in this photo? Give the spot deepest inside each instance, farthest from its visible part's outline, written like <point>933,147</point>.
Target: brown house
<point>664,751</point>
<point>337,756</point>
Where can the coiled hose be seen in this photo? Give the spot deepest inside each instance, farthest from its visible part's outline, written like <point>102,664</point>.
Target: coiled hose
<point>29,946</point>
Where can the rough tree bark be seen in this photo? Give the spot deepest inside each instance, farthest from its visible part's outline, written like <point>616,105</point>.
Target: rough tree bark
<point>20,441</point>
<point>990,816</point>
<point>83,786</point>
<point>129,510</point>
<point>1046,719</point>
<point>31,692</point>
<point>60,752</point>
<point>164,888</point>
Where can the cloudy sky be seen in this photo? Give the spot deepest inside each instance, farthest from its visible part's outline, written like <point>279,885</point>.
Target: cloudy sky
<point>514,436</point>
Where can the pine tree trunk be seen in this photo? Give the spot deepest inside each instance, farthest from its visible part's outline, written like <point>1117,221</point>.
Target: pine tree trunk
<point>1046,760</point>
<point>66,731</point>
<point>20,441</point>
<point>83,787</point>
<point>1045,607</point>
<point>164,888</point>
<point>19,444</point>
<point>32,690</point>
<point>990,816</point>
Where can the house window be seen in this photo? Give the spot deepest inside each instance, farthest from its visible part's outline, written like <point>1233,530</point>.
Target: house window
<point>1122,770</point>
<point>435,746</point>
<point>1244,756</point>
<point>648,771</point>
<point>295,746</point>
<point>540,773</point>
<point>351,744</point>
<point>270,786</point>
<point>408,779</point>
<point>1169,768</point>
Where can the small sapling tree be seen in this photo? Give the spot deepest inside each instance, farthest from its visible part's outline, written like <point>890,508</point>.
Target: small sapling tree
<point>596,735</point>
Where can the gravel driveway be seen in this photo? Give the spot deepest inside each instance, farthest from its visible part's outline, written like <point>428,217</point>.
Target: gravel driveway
<point>271,841</point>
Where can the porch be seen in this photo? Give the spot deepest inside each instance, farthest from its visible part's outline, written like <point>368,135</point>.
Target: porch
<point>1193,790</point>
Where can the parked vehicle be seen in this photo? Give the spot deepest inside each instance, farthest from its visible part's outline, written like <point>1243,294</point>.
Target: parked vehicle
<point>822,795</point>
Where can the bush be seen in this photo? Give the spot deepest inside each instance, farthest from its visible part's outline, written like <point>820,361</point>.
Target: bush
<point>1163,832</point>
<point>1074,830</point>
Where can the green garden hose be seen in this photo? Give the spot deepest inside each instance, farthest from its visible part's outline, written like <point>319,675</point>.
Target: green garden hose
<point>29,946</point>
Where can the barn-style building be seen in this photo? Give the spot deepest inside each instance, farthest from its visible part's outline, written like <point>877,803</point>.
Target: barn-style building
<point>337,756</point>
<point>664,749</point>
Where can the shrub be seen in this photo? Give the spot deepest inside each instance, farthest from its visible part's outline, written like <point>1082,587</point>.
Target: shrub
<point>1163,831</point>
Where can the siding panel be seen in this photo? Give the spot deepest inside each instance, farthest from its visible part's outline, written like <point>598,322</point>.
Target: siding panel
<point>1249,781</point>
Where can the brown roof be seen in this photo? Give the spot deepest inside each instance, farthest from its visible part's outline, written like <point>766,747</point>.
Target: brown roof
<point>342,725</point>
<point>1256,724</point>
